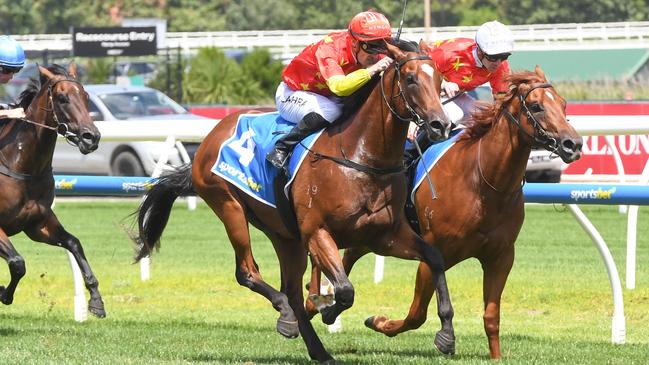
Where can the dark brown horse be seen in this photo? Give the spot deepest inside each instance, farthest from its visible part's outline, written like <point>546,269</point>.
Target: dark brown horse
<point>58,104</point>
<point>479,208</point>
<point>357,200</point>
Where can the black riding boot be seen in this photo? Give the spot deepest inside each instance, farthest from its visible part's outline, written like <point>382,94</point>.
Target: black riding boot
<point>310,123</point>
<point>411,154</point>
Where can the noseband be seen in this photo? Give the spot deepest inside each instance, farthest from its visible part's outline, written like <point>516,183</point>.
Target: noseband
<point>540,135</point>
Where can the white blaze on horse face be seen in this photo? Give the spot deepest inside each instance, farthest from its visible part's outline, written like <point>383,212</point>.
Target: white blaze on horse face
<point>549,95</point>
<point>428,69</point>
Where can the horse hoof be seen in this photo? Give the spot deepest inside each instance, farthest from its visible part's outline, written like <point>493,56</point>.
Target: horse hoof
<point>4,298</point>
<point>288,329</point>
<point>96,308</point>
<point>328,315</point>
<point>369,323</point>
<point>445,343</point>
<point>97,312</point>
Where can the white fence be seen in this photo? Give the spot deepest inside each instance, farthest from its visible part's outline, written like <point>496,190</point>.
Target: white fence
<point>287,42</point>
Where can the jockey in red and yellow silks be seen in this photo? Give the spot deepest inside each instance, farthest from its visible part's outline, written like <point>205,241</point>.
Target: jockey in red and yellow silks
<point>336,66</point>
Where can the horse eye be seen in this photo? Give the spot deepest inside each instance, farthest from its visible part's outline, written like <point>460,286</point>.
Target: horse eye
<point>410,78</point>
<point>62,99</point>
<point>536,108</point>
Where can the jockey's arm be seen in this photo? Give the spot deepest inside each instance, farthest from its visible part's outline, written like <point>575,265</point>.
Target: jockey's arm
<point>348,84</point>
<point>345,85</point>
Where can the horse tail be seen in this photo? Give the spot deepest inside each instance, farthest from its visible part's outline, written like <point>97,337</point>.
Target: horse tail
<point>155,209</point>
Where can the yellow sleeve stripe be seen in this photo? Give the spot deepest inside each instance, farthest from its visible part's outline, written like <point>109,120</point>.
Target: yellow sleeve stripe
<point>346,85</point>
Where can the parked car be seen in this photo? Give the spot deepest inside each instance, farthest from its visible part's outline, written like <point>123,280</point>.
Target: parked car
<point>542,166</point>
<point>110,103</point>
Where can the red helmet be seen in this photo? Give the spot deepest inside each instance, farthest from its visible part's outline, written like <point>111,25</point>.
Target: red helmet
<point>369,26</point>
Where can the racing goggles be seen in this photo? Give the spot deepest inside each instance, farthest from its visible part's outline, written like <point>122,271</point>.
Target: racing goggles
<point>374,47</point>
<point>497,57</point>
<point>9,70</point>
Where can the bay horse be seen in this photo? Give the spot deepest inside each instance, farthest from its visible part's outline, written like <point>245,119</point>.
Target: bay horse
<point>349,191</point>
<point>479,208</point>
<point>58,104</point>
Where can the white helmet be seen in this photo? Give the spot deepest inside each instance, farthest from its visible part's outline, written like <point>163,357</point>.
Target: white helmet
<point>494,38</point>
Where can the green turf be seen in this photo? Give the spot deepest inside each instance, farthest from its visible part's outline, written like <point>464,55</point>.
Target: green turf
<point>556,308</point>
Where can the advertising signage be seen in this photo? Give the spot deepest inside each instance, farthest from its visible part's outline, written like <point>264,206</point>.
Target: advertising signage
<point>114,41</point>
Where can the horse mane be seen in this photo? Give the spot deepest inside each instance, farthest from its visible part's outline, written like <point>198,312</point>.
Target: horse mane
<point>487,114</point>
<point>34,86</point>
<point>353,102</point>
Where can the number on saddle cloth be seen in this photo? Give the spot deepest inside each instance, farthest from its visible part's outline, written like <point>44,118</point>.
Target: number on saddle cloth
<point>242,158</point>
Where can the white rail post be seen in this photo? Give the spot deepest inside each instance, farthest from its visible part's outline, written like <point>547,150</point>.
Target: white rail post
<point>80,304</point>
<point>618,326</point>
<point>632,234</point>
<point>379,266</point>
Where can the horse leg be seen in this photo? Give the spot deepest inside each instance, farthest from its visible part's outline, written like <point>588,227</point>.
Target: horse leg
<point>324,254</point>
<point>247,272</point>
<point>53,233</point>
<point>407,245</point>
<point>293,267</point>
<point>350,257</point>
<point>314,292</point>
<point>416,317</point>
<point>16,268</point>
<point>495,276</point>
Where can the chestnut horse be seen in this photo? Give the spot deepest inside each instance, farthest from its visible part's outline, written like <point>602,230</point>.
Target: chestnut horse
<point>58,105</point>
<point>479,208</point>
<point>349,191</point>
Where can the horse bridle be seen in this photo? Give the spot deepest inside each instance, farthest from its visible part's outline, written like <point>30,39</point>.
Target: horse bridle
<point>414,116</point>
<point>540,135</point>
<point>61,127</point>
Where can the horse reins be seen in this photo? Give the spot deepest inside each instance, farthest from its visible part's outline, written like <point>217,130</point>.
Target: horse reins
<point>540,135</point>
<point>4,170</point>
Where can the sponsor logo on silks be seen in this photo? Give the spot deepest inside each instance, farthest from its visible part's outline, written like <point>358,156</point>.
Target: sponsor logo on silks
<point>226,168</point>
<point>65,184</point>
<point>137,186</point>
<point>595,194</point>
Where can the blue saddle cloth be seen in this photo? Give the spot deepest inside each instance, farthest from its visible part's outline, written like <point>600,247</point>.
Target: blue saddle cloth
<point>430,157</point>
<point>242,157</point>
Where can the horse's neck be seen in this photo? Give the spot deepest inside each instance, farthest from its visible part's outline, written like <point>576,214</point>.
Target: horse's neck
<point>373,135</point>
<point>502,156</point>
<point>36,144</point>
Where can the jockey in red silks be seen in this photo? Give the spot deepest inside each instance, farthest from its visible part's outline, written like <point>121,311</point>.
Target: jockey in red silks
<point>12,60</point>
<point>336,66</point>
<point>468,63</point>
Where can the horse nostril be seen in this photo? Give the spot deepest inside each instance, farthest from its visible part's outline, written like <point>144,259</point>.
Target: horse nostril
<point>89,138</point>
<point>570,144</point>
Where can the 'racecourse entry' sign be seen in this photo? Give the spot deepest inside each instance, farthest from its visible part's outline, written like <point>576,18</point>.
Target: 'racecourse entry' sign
<point>114,41</point>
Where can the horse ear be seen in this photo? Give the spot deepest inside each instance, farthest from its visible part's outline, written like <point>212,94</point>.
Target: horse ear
<point>540,72</point>
<point>423,46</point>
<point>394,51</point>
<point>45,74</point>
<point>72,70</point>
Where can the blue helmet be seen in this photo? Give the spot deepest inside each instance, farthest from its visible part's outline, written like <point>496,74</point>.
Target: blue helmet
<point>11,53</point>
